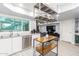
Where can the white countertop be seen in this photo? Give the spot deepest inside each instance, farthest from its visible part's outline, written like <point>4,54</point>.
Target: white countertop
<point>6,35</point>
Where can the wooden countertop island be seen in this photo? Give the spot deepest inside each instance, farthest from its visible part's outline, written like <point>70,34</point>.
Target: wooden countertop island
<point>45,39</point>
<point>46,44</point>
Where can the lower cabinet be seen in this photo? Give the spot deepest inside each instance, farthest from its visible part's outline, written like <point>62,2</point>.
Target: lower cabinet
<point>5,46</point>
<point>16,44</point>
<point>10,45</point>
<point>13,45</point>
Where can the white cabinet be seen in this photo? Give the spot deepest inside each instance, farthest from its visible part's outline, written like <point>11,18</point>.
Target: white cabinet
<point>5,46</point>
<point>17,44</point>
<point>11,45</point>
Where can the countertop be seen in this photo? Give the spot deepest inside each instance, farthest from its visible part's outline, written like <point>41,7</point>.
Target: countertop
<point>6,37</point>
<point>14,36</point>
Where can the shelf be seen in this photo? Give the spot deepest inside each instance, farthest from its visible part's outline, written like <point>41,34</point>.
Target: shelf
<point>45,50</point>
<point>46,39</point>
<point>45,19</point>
<point>45,8</point>
<point>45,43</point>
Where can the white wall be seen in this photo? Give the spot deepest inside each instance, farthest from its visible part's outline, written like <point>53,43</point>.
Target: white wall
<point>67,30</point>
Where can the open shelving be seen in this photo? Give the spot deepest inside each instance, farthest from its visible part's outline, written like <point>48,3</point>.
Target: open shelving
<point>45,19</point>
<point>45,44</point>
<point>45,49</point>
<point>45,8</point>
<point>45,13</point>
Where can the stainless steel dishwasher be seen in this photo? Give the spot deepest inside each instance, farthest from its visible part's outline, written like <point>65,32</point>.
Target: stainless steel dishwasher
<point>26,41</point>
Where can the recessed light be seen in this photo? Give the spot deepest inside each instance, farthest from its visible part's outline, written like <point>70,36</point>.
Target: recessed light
<point>21,5</point>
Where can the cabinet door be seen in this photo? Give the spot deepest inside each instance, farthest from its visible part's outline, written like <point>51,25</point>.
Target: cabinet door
<point>17,44</point>
<point>5,46</point>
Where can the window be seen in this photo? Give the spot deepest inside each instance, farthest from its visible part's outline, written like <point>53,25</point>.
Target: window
<point>11,24</point>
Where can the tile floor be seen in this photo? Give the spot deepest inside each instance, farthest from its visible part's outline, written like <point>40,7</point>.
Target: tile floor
<point>68,49</point>
<point>65,49</point>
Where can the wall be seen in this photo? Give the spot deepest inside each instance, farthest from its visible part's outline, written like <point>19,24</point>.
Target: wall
<point>67,30</point>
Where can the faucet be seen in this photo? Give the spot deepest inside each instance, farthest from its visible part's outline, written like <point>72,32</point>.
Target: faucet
<point>1,37</point>
<point>18,34</point>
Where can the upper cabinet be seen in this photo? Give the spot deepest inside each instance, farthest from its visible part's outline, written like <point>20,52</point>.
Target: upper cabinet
<point>12,24</point>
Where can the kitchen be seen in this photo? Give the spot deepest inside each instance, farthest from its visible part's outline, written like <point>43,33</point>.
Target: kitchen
<point>19,28</point>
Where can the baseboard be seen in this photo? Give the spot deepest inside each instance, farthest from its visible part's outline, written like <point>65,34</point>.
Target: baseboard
<point>66,41</point>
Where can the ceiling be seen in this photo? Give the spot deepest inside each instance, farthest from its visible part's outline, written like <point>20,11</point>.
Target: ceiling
<point>10,9</point>
<point>74,13</point>
<point>25,10</point>
<point>26,6</point>
<point>62,7</point>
